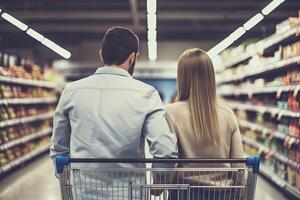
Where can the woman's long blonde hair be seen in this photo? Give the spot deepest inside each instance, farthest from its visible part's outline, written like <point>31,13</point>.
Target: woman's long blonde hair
<point>197,86</point>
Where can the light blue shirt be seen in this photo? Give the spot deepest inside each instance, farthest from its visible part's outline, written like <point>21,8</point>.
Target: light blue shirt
<point>109,115</point>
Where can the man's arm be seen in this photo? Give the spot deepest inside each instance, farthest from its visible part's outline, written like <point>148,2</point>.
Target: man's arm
<point>162,143</point>
<point>61,129</point>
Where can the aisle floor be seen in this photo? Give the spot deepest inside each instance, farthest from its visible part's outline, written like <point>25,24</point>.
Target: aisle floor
<point>36,181</point>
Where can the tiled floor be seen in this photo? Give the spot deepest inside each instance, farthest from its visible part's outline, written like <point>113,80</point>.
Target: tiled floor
<point>36,181</point>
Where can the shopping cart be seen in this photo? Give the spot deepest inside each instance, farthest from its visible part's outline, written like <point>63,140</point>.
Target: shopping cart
<point>91,178</point>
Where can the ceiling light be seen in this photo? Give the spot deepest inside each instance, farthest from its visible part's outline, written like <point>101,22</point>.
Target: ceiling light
<point>14,21</point>
<point>151,6</point>
<point>59,50</point>
<point>237,34</point>
<point>151,21</point>
<point>271,6</point>
<point>151,35</point>
<point>35,34</point>
<point>226,42</point>
<point>152,50</point>
<point>253,21</point>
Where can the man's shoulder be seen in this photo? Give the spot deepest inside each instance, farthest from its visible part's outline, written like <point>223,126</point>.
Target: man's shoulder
<point>141,86</point>
<point>77,84</point>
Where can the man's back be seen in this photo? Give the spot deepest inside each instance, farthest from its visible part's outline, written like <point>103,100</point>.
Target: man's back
<point>108,115</point>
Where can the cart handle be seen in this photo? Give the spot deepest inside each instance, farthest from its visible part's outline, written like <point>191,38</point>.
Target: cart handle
<point>61,161</point>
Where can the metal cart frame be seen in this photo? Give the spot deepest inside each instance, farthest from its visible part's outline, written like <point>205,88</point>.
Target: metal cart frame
<point>163,181</point>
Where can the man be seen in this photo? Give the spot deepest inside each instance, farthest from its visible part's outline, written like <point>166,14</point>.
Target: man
<point>110,114</point>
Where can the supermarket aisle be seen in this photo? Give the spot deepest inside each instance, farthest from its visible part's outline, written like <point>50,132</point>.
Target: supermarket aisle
<point>36,182</point>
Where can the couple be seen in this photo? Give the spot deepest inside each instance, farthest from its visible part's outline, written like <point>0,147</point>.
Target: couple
<point>110,114</point>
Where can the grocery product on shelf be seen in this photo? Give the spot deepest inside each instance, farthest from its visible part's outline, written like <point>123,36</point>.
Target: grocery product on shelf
<point>28,97</point>
<point>262,86</point>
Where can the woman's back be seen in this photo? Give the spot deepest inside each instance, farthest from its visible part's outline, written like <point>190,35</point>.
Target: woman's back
<point>195,145</point>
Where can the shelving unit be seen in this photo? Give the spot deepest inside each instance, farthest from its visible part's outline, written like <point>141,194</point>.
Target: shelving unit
<point>254,99</point>
<point>23,159</point>
<point>269,67</point>
<point>264,169</point>
<point>250,91</point>
<point>261,46</point>
<point>28,101</point>
<point>12,122</point>
<point>263,109</point>
<point>270,132</point>
<point>276,155</point>
<point>24,138</point>
<point>21,81</point>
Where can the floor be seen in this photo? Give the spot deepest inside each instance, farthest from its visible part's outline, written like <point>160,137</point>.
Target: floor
<point>36,181</point>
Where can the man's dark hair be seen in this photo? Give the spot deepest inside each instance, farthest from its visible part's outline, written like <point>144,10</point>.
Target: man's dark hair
<point>118,43</point>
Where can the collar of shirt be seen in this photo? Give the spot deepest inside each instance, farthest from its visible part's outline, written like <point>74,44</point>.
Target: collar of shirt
<point>113,70</point>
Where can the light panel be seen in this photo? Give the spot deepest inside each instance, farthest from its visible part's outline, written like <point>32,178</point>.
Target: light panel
<point>151,21</point>
<point>35,34</point>
<point>226,42</point>
<point>271,6</point>
<point>151,6</point>
<point>253,21</point>
<point>59,50</point>
<point>152,50</point>
<point>14,21</point>
<point>152,35</point>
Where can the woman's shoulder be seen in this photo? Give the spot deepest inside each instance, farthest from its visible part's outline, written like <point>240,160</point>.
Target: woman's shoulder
<point>225,109</point>
<point>176,107</point>
<point>227,113</point>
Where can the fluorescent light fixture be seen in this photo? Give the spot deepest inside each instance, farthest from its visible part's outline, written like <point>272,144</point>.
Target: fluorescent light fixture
<point>271,6</point>
<point>151,21</point>
<point>226,42</point>
<point>14,21</point>
<point>151,6</point>
<point>151,35</point>
<point>253,21</point>
<point>237,34</point>
<point>35,34</point>
<point>59,50</point>
<point>152,50</point>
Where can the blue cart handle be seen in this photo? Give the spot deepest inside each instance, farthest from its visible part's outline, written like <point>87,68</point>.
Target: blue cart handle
<point>255,162</point>
<point>61,161</point>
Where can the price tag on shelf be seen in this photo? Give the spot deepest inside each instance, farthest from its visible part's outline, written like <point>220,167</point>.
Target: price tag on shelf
<point>271,136</point>
<point>291,141</point>
<point>279,92</point>
<point>269,154</point>
<point>280,114</point>
<point>295,93</point>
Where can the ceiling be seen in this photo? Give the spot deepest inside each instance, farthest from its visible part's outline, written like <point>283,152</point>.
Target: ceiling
<point>71,22</point>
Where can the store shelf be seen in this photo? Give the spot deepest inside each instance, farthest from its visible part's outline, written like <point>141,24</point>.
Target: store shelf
<point>263,109</point>
<point>240,59</point>
<point>26,138</point>
<point>27,82</point>
<point>273,154</point>
<point>277,38</point>
<point>264,170</point>
<point>271,132</point>
<point>23,159</point>
<point>27,101</point>
<point>268,89</point>
<point>26,119</point>
<point>268,67</point>
<point>266,43</point>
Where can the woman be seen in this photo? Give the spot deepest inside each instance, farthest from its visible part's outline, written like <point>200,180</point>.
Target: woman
<point>204,127</point>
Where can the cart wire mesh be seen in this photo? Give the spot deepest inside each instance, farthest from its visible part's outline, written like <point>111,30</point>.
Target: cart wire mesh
<point>99,179</point>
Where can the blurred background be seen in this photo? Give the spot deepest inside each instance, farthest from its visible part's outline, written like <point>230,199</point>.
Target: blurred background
<point>254,45</point>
